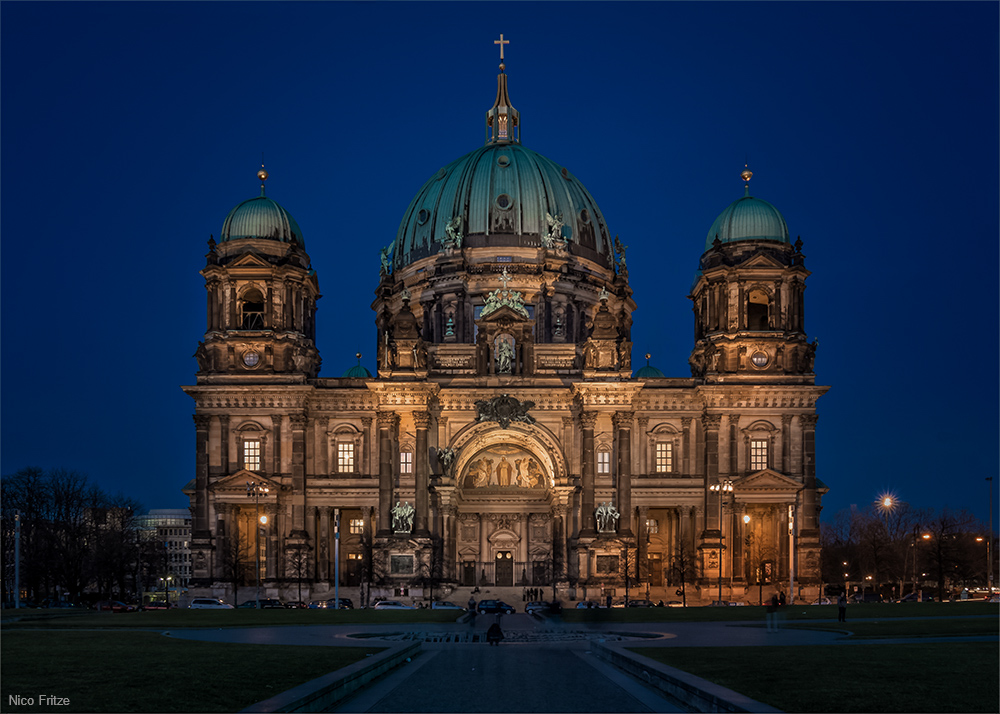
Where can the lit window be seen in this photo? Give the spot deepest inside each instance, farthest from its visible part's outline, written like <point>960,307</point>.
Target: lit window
<point>357,525</point>
<point>603,462</point>
<point>652,526</point>
<point>758,454</point>
<point>406,462</point>
<point>345,457</point>
<point>251,454</point>
<point>664,458</point>
<point>354,556</point>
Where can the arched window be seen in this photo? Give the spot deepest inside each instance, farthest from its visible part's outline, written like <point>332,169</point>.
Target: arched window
<point>757,309</point>
<point>252,310</point>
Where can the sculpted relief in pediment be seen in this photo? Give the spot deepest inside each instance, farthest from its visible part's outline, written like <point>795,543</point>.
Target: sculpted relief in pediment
<point>504,466</point>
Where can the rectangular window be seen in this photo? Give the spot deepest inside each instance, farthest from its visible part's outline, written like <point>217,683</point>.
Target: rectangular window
<point>345,457</point>
<point>251,454</point>
<point>357,526</point>
<point>758,454</point>
<point>406,462</point>
<point>603,462</point>
<point>664,458</point>
<point>652,526</point>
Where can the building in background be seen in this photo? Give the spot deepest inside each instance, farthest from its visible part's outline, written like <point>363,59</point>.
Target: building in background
<point>506,440</point>
<point>165,536</point>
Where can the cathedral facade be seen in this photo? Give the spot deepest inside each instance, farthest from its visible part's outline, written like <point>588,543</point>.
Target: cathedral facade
<point>506,441</point>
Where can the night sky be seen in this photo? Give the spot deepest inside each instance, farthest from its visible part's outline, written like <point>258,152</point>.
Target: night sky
<point>129,130</point>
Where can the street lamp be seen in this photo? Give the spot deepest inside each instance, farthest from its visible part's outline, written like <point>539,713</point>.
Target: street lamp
<point>722,487</point>
<point>166,590</point>
<point>989,542</point>
<point>256,491</point>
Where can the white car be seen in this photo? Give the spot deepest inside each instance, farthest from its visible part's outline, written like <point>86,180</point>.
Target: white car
<point>391,605</point>
<point>209,603</point>
<point>445,605</point>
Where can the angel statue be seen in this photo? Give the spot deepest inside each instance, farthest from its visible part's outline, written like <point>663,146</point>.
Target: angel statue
<point>555,230</point>
<point>446,457</point>
<point>384,255</point>
<point>454,230</point>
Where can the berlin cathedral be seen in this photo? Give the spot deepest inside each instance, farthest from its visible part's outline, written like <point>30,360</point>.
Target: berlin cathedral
<point>505,442</point>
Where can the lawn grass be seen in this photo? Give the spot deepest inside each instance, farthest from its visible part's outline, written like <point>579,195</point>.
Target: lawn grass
<point>917,677</point>
<point>173,619</point>
<point>122,671</point>
<point>932,627</point>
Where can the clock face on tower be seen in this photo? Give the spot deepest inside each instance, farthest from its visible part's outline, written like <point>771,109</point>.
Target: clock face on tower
<point>251,358</point>
<point>759,359</point>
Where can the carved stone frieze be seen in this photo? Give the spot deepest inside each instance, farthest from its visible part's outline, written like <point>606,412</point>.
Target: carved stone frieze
<point>504,410</point>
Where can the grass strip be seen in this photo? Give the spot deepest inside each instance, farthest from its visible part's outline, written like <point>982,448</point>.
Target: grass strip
<point>916,677</point>
<point>147,672</point>
<point>942,627</point>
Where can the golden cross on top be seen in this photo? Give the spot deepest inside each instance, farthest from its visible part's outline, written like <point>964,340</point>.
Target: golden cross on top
<point>501,42</point>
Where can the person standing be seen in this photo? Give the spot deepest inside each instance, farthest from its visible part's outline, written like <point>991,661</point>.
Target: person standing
<point>842,608</point>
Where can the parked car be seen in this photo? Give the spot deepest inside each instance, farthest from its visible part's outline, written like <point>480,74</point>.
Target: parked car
<point>536,608</point>
<point>157,605</point>
<point>209,603</point>
<point>866,597</point>
<point>586,605</point>
<point>912,597</point>
<point>494,606</point>
<point>266,603</point>
<point>674,603</point>
<point>640,603</point>
<point>295,605</point>
<point>50,603</point>
<point>112,606</point>
<point>318,604</point>
<point>445,605</point>
<point>391,605</point>
<point>822,601</point>
<point>345,603</point>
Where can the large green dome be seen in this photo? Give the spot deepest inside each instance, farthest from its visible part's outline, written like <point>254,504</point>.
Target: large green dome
<point>504,195</point>
<point>748,218</point>
<point>261,217</point>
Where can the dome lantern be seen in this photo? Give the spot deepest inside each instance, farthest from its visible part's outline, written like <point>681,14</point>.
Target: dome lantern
<point>503,121</point>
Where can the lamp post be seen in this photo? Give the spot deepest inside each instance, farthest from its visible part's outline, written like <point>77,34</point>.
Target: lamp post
<point>166,590</point>
<point>722,487</point>
<point>989,542</point>
<point>256,491</point>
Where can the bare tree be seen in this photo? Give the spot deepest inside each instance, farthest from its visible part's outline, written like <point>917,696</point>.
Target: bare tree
<point>683,568</point>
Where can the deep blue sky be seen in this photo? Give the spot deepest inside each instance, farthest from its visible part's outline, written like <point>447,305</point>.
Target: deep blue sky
<point>129,130</point>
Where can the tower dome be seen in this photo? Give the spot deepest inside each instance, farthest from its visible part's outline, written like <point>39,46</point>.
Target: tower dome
<point>748,218</point>
<point>501,194</point>
<point>261,217</point>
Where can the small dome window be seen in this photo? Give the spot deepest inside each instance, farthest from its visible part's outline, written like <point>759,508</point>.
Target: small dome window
<point>503,160</point>
<point>565,173</point>
<point>422,216</point>
<point>585,216</point>
<point>441,174</point>
<point>504,201</point>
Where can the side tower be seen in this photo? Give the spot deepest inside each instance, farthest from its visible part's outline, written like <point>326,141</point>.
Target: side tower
<point>754,364</point>
<point>254,368</point>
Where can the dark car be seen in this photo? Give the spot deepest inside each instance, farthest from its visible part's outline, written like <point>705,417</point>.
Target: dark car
<point>866,597</point>
<point>112,606</point>
<point>345,603</point>
<point>266,603</point>
<point>912,597</point>
<point>295,605</point>
<point>157,605</point>
<point>640,603</point>
<point>494,606</point>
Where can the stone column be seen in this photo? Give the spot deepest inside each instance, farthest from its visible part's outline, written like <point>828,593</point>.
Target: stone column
<point>786,431</point>
<point>623,425</point>
<point>223,538</point>
<point>298,496</point>
<point>643,423</point>
<point>387,424</point>
<point>711,424</point>
<point>569,442</point>
<point>366,439</point>
<point>227,466</point>
<point>688,464</point>
<point>588,421</point>
<point>734,449</point>
<point>484,548</point>
<point>323,570</point>
<point>422,420</point>
<point>200,530</point>
<point>276,466</point>
<point>271,538</point>
<point>643,541</point>
<point>231,297</point>
<point>809,512</point>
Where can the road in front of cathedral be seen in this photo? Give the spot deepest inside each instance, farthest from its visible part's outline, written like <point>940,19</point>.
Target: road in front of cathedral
<point>522,677</point>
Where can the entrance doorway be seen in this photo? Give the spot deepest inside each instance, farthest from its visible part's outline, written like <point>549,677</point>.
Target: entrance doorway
<point>655,563</point>
<point>504,569</point>
<point>468,573</point>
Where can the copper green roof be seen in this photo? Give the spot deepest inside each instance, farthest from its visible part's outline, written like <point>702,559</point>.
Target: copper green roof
<point>261,217</point>
<point>748,218</point>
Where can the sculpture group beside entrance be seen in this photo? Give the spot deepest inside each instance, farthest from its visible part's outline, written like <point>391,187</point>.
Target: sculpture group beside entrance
<point>607,518</point>
<point>402,517</point>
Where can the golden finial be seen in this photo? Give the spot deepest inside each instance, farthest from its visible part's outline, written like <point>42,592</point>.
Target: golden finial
<point>358,355</point>
<point>746,174</point>
<point>648,357</point>
<point>262,175</point>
